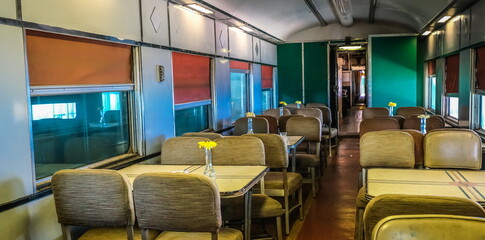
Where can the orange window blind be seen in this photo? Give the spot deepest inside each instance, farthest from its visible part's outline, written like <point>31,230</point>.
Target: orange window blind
<point>267,76</point>
<point>432,67</point>
<point>480,73</point>
<point>452,71</point>
<point>239,65</point>
<point>191,78</point>
<point>64,60</point>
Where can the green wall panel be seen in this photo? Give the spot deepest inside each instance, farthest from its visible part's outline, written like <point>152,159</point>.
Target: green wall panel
<point>394,71</point>
<point>316,77</point>
<point>420,68</point>
<point>289,72</point>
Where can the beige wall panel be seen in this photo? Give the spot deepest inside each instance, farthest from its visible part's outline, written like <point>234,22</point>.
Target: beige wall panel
<point>240,44</point>
<point>189,30</point>
<point>155,21</point>
<point>118,18</point>
<point>268,53</point>
<point>477,26</point>
<point>35,220</point>
<point>222,41</point>
<point>451,40</point>
<point>16,179</point>
<point>8,9</point>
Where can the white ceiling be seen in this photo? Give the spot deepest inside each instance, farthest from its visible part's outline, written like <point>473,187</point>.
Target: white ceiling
<point>282,18</point>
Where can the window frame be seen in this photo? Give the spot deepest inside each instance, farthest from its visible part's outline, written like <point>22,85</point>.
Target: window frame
<point>248,89</point>
<point>430,93</point>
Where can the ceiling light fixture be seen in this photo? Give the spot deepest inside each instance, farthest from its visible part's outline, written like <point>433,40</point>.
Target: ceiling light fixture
<point>444,19</point>
<point>244,28</point>
<point>350,47</point>
<point>426,33</point>
<point>200,9</point>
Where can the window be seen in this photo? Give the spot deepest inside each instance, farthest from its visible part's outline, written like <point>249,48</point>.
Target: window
<point>432,85</point>
<point>452,107</point>
<point>192,92</point>
<point>267,79</point>
<point>451,86</point>
<point>482,112</point>
<point>267,99</point>
<point>77,117</point>
<point>239,89</point>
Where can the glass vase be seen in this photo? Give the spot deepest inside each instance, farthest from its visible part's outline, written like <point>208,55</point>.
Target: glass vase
<point>423,125</point>
<point>298,106</point>
<point>209,169</point>
<point>391,111</point>
<point>281,111</point>
<point>250,126</point>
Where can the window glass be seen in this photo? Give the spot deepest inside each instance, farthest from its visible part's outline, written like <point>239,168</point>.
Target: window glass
<point>238,95</point>
<point>193,119</point>
<point>452,107</point>
<point>482,112</point>
<point>267,98</point>
<point>71,131</point>
<point>432,92</point>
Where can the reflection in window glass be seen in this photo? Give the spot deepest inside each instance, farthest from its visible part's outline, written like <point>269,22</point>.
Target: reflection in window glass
<point>482,112</point>
<point>432,92</point>
<point>191,119</point>
<point>453,107</point>
<point>238,95</point>
<point>267,98</point>
<point>80,130</point>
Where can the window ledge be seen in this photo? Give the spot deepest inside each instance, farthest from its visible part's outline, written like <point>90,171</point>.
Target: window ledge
<point>452,122</point>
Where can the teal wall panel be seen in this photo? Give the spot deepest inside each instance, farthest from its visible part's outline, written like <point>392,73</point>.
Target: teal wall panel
<point>420,68</point>
<point>393,71</point>
<point>289,72</point>
<point>316,77</point>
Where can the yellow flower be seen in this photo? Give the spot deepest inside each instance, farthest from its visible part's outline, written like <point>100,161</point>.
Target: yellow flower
<point>250,114</point>
<point>391,104</point>
<point>207,144</point>
<point>298,102</point>
<point>423,116</point>
<point>283,103</point>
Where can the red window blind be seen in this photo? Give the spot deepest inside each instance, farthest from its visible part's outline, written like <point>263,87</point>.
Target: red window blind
<point>432,67</point>
<point>191,78</point>
<point>239,65</point>
<point>480,73</point>
<point>267,76</point>
<point>452,70</point>
<point>64,60</point>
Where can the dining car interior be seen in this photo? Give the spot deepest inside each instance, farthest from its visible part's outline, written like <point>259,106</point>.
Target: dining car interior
<point>242,119</point>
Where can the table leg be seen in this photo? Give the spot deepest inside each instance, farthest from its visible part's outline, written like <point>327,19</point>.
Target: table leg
<point>293,159</point>
<point>247,214</point>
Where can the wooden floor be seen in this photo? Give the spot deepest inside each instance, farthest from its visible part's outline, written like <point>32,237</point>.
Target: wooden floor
<point>331,215</point>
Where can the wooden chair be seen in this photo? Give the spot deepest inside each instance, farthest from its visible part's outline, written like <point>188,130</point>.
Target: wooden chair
<point>311,129</point>
<point>210,135</point>
<point>371,112</point>
<point>429,226</point>
<point>183,206</point>
<point>279,182</point>
<point>406,112</point>
<point>282,121</point>
<point>453,149</point>
<point>275,112</point>
<point>97,198</point>
<point>272,123</point>
<point>387,205</point>
<point>377,124</point>
<point>260,125</point>
<point>183,150</point>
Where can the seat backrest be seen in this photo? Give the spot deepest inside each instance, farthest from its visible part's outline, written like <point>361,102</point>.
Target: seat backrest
<point>408,111</point>
<point>275,149</point>
<point>283,120</point>
<point>398,204</point>
<point>93,197</point>
<point>308,127</point>
<point>210,135</point>
<point>240,150</point>
<point>433,122</point>
<point>387,149</point>
<point>292,107</point>
<point>371,112</point>
<point>260,125</point>
<point>112,116</point>
<point>312,105</point>
<point>418,146</point>
<point>429,226</point>
<point>183,150</point>
<point>177,202</point>
<point>453,149</point>
<point>310,112</point>
<point>399,119</point>
<point>272,123</point>
<point>276,112</point>
<point>327,115</point>
<point>377,124</point>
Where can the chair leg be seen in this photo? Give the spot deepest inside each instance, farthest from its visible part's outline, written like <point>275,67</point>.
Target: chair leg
<point>359,224</point>
<point>66,233</point>
<point>144,234</point>
<point>300,201</point>
<point>314,182</point>
<point>215,236</point>
<point>287,215</point>
<point>278,228</point>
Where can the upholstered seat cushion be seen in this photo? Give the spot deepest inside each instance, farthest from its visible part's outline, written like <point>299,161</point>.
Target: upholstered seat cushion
<point>104,233</point>
<point>262,206</point>
<point>224,233</point>
<point>274,180</point>
<point>333,132</point>
<point>307,160</point>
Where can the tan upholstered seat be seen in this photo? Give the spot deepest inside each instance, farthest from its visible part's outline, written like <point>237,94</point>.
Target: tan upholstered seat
<point>311,129</point>
<point>281,183</point>
<point>162,200</point>
<point>400,119</point>
<point>453,149</point>
<point>371,112</point>
<point>418,138</point>
<point>272,123</point>
<point>408,111</point>
<point>283,120</point>
<point>433,122</point>
<point>397,204</point>
<point>260,125</point>
<point>210,135</point>
<point>312,105</point>
<point>310,112</point>
<point>246,150</point>
<point>183,150</point>
<point>292,107</point>
<point>275,112</point>
<point>376,124</point>
<point>328,132</point>
<point>94,198</point>
<point>429,226</point>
